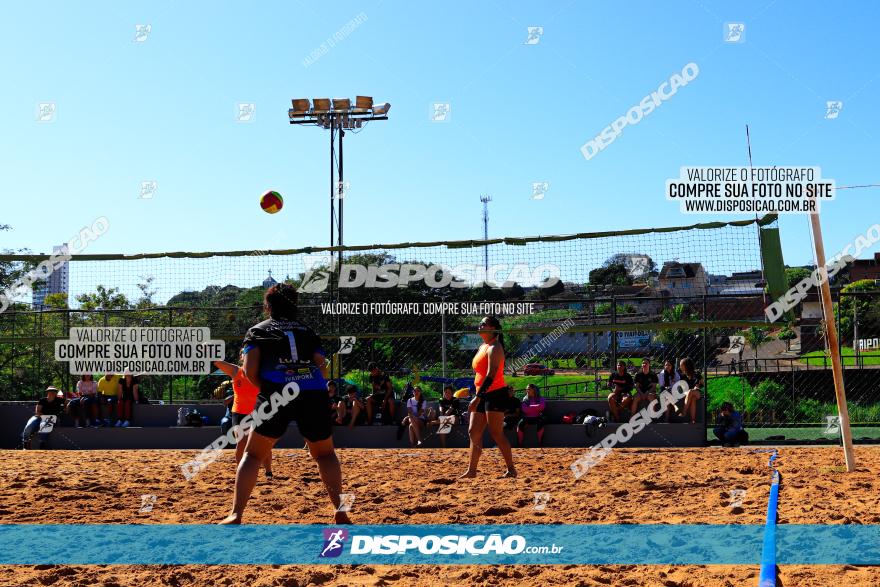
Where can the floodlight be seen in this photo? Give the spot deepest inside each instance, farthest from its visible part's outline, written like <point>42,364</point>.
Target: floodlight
<point>341,104</point>
<point>300,106</point>
<point>322,105</point>
<point>381,109</point>
<point>363,104</point>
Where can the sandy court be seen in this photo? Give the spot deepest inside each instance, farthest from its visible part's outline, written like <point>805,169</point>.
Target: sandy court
<point>656,486</point>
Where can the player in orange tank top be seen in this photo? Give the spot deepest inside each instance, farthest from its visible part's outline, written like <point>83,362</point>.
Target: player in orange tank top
<point>488,407</point>
<point>244,402</point>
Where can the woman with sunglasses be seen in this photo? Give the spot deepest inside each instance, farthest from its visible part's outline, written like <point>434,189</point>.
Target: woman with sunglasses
<point>488,407</point>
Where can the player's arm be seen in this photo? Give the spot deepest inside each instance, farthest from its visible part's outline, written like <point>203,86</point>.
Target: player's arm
<point>320,363</point>
<point>227,367</point>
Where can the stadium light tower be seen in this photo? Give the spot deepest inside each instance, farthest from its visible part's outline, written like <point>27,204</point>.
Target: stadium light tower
<point>486,199</point>
<point>337,116</point>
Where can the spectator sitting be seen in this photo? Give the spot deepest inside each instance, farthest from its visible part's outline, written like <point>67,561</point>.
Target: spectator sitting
<point>350,409</point>
<point>533,413</point>
<point>417,416</point>
<point>333,399</point>
<point>128,396</point>
<point>513,413</point>
<point>729,426</point>
<point>621,384</point>
<point>85,407</point>
<point>381,399</point>
<point>72,406</point>
<point>694,380</point>
<point>448,406</point>
<point>667,378</point>
<point>51,405</point>
<point>109,392</point>
<point>646,386</point>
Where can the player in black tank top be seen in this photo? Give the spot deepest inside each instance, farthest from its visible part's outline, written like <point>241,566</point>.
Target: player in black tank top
<point>284,358</point>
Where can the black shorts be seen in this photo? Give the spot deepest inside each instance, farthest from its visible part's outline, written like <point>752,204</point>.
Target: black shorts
<point>308,409</point>
<point>237,418</point>
<point>497,400</point>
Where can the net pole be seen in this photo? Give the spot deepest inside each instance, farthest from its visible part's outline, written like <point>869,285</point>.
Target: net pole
<point>831,334</point>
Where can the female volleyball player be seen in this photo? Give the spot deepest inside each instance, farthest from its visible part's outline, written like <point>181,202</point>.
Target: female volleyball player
<point>487,409</point>
<point>279,352</point>
<point>243,403</point>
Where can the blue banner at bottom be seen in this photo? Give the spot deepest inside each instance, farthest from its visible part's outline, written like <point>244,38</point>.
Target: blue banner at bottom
<point>452,544</point>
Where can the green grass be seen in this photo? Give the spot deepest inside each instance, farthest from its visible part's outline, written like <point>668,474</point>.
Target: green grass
<point>847,355</point>
<point>806,433</point>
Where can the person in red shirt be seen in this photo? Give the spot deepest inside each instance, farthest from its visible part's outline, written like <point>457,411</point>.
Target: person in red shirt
<point>243,403</point>
<point>492,400</point>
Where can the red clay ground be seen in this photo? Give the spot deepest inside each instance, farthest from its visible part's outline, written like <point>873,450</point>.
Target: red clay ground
<point>630,486</point>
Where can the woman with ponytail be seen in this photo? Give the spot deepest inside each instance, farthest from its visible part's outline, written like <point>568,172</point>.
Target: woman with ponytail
<point>488,407</point>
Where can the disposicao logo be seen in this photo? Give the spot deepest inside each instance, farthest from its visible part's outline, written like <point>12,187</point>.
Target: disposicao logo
<point>334,541</point>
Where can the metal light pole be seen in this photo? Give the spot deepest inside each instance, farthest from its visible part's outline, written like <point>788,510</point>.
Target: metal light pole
<point>337,115</point>
<point>486,199</point>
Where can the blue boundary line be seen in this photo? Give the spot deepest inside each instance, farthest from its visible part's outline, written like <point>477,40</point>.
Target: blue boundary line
<point>767,576</point>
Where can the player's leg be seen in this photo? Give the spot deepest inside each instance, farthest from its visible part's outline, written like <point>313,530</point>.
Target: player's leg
<point>614,406</point>
<point>256,451</point>
<point>496,430</point>
<point>330,470</point>
<point>476,426</point>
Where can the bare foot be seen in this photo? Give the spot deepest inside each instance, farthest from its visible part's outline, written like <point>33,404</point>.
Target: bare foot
<point>341,518</point>
<point>468,475</point>
<point>510,474</point>
<point>231,519</point>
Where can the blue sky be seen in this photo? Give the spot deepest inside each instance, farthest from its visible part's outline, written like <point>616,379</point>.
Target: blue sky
<point>164,110</point>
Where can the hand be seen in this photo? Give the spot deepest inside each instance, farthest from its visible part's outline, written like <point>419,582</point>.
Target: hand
<point>472,406</point>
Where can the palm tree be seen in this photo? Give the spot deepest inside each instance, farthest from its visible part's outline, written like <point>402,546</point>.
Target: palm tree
<point>675,338</point>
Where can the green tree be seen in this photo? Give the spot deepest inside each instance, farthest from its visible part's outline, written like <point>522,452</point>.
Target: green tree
<point>787,334</point>
<point>755,336</point>
<point>794,275</point>
<point>867,308</point>
<point>677,340</point>
<point>103,299</point>
<point>614,274</point>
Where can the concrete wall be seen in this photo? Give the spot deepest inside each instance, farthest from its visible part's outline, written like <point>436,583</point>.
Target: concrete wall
<point>153,428</point>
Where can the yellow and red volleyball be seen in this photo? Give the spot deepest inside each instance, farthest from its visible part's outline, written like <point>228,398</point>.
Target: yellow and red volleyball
<point>271,202</point>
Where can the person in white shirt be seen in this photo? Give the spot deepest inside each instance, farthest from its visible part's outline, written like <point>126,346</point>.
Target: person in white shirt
<point>417,416</point>
<point>667,378</point>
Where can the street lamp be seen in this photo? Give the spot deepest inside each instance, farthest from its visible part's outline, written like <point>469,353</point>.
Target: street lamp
<point>337,116</point>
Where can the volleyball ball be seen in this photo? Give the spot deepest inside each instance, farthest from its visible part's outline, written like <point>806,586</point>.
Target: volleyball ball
<point>271,202</point>
<point>463,392</point>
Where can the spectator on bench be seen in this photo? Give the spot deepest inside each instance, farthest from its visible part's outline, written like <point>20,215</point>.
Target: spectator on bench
<point>513,413</point>
<point>333,399</point>
<point>417,416</point>
<point>128,395</point>
<point>667,378</point>
<point>621,384</point>
<point>51,405</point>
<point>694,380</point>
<point>448,406</point>
<point>646,386</point>
<point>350,409</point>
<point>84,407</point>
<point>109,392</point>
<point>729,426</point>
<point>382,398</point>
<point>533,413</point>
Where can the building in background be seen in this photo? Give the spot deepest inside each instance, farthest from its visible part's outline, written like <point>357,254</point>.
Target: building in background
<point>58,281</point>
<point>865,269</point>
